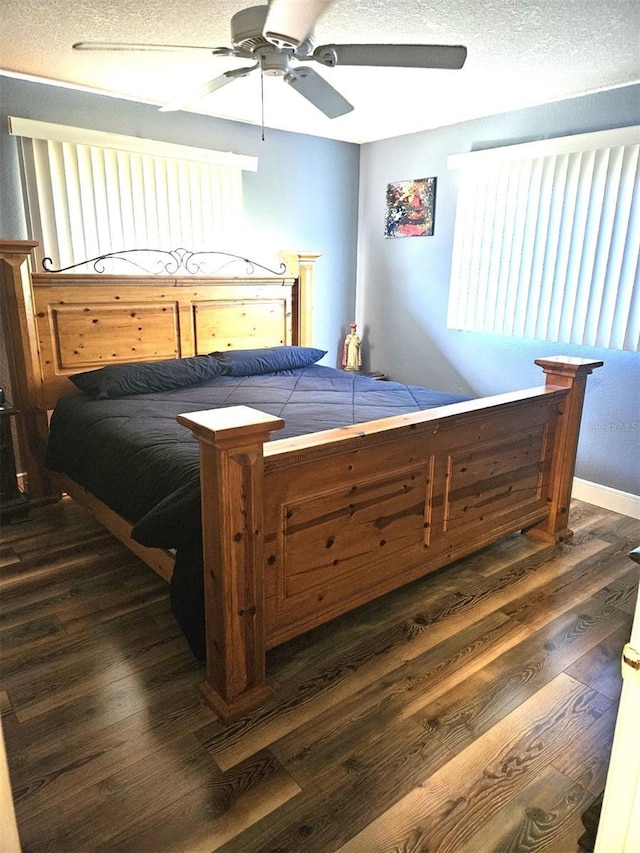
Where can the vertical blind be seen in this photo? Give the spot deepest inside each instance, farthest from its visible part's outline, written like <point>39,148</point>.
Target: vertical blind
<point>90,193</point>
<point>547,241</point>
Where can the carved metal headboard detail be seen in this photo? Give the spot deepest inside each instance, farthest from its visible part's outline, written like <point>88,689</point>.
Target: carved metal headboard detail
<point>174,262</point>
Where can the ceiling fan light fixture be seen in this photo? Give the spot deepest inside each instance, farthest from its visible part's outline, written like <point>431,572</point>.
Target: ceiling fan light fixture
<point>273,61</point>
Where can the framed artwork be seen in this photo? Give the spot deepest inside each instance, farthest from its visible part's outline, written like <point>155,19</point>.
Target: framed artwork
<point>410,208</point>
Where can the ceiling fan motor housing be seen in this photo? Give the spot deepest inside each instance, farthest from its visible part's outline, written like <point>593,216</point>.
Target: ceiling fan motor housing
<point>247,28</point>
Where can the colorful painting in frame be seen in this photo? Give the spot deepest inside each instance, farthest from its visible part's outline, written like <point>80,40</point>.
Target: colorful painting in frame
<point>410,208</point>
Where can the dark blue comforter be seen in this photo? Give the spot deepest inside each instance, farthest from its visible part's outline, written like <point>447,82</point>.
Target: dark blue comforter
<point>132,454</point>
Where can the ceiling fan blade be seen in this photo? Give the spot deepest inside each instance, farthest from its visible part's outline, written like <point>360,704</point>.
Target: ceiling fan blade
<point>289,22</point>
<point>106,45</point>
<point>321,94</point>
<point>392,55</point>
<point>208,88</point>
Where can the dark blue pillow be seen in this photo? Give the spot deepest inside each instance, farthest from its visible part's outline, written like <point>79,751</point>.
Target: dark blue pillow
<point>250,362</point>
<point>144,377</point>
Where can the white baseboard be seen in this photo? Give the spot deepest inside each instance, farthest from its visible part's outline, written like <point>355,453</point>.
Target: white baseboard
<point>623,502</point>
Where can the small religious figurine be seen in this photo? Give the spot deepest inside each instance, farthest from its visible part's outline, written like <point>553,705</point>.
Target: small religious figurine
<point>351,358</point>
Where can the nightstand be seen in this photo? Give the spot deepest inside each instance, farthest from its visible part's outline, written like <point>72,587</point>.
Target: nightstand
<point>374,374</point>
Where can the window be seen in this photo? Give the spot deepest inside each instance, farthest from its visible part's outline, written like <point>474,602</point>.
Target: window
<point>90,193</point>
<point>547,239</point>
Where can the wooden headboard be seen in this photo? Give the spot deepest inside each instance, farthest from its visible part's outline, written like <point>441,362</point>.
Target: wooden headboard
<point>60,323</point>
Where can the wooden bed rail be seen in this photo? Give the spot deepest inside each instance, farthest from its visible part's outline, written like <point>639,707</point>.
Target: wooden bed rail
<point>303,529</point>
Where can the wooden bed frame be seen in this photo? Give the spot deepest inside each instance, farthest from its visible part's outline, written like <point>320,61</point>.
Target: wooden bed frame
<point>300,530</point>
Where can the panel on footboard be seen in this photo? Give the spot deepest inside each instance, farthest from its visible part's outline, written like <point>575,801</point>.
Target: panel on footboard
<point>489,477</point>
<point>349,529</point>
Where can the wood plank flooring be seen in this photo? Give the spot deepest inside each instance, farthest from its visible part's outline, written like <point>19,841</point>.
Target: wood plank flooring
<point>472,711</point>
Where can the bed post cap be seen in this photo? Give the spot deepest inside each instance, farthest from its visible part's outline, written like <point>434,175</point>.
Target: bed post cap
<point>22,247</point>
<point>567,365</point>
<point>231,425</point>
<point>294,259</point>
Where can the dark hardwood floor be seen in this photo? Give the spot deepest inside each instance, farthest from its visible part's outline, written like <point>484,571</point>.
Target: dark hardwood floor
<point>471,711</point>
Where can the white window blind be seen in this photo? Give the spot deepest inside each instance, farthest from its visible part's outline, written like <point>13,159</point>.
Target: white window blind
<point>547,240</point>
<point>90,193</point>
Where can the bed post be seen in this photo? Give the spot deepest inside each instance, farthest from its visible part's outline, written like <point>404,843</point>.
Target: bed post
<point>23,362</point>
<point>301,265</point>
<point>231,466</point>
<point>563,372</point>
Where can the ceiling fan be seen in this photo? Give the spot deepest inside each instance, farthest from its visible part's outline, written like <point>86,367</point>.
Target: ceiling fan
<point>279,36</point>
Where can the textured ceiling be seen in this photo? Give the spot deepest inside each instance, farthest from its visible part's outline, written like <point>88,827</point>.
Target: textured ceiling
<point>519,54</point>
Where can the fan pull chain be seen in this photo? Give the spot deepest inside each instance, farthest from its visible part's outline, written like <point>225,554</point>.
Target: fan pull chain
<point>262,101</point>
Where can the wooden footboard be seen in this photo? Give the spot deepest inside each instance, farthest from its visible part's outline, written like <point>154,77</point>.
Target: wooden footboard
<point>300,530</point>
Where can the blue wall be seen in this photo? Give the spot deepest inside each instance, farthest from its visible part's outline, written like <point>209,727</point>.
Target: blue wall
<point>403,285</point>
<point>304,196</point>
